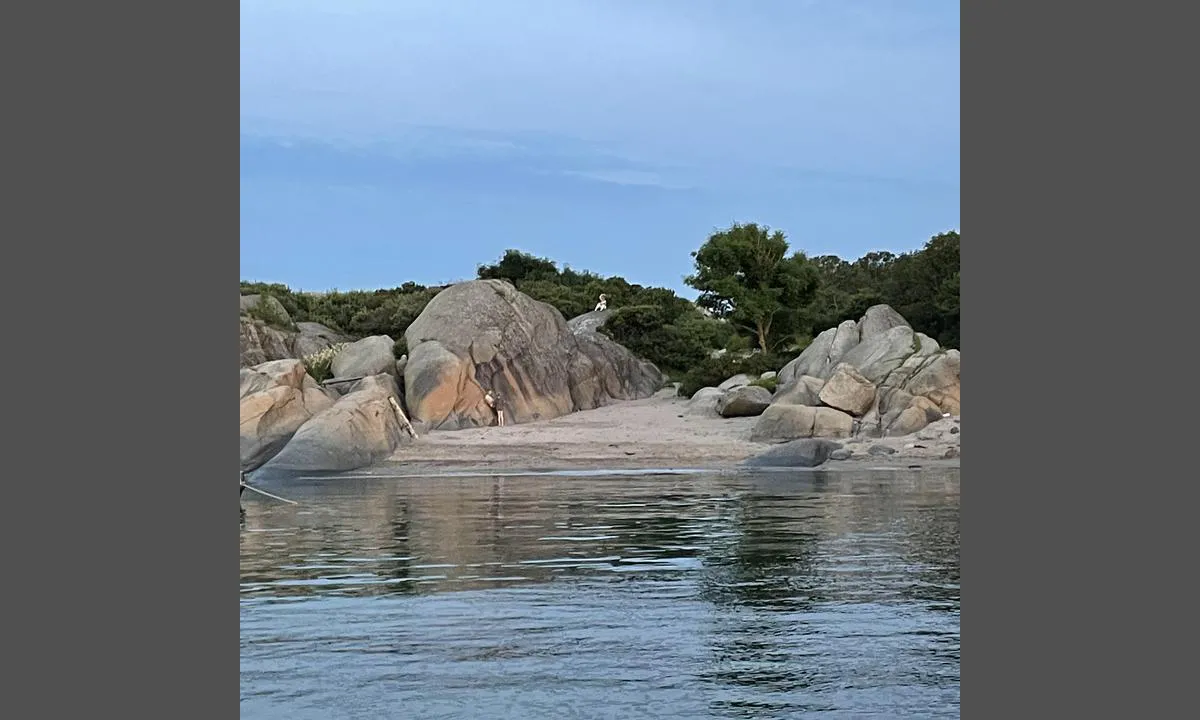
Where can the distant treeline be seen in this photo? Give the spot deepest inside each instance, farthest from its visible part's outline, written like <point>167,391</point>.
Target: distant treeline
<point>754,294</point>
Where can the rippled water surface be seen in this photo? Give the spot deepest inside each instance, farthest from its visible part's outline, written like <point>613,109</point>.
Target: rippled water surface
<point>617,596</point>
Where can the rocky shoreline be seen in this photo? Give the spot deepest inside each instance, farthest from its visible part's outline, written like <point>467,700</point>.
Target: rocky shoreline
<point>868,393</point>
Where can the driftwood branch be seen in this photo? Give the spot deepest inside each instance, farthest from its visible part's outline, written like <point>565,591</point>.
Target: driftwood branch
<point>403,419</point>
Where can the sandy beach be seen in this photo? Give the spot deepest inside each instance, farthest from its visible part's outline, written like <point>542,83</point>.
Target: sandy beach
<point>657,432</point>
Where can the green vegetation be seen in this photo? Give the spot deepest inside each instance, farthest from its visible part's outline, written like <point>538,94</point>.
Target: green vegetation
<point>745,275</point>
<point>756,293</point>
<point>714,371</point>
<point>769,383</point>
<point>319,363</point>
<point>268,312</point>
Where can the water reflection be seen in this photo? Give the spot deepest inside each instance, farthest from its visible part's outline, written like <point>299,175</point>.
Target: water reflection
<point>704,595</point>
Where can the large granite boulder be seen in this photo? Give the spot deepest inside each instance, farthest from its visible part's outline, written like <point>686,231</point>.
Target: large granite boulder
<point>602,370</point>
<point>822,354</point>
<point>358,430</point>
<point>803,390</point>
<point>878,369</point>
<point>704,401</point>
<point>485,334</point>
<point>802,453</point>
<point>744,401</point>
<point>277,398</point>
<point>788,422</point>
<point>847,390</point>
<point>369,356</point>
<point>270,307</point>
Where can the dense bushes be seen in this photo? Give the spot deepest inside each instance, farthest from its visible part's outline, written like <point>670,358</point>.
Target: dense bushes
<point>713,371</point>
<point>662,327</point>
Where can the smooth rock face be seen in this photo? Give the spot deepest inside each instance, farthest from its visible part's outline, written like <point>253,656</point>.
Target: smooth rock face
<point>739,380</point>
<point>704,401</point>
<point>277,398</point>
<point>369,356</point>
<point>826,351</point>
<point>877,320</point>
<point>358,430</point>
<point>786,422</point>
<point>848,391</point>
<point>806,453</point>
<point>484,334</point>
<point>744,401</point>
<point>803,390</point>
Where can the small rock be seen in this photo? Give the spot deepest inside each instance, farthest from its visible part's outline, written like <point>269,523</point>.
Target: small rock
<point>954,430</point>
<point>841,454</point>
<point>880,450</point>
<point>951,453</point>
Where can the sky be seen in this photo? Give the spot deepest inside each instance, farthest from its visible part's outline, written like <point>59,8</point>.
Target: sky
<point>386,141</point>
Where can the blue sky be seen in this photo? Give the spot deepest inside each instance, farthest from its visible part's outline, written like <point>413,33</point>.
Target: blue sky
<point>384,141</point>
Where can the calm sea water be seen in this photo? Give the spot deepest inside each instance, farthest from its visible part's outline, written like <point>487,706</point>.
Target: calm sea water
<point>769,595</point>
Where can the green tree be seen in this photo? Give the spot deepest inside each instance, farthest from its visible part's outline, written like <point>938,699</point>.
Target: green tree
<point>745,274</point>
<point>516,266</point>
<point>923,287</point>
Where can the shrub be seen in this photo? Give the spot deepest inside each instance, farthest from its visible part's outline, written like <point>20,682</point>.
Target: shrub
<point>769,383</point>
<point>320,364</point>
<point>268,312</point>
<point>714,371</point>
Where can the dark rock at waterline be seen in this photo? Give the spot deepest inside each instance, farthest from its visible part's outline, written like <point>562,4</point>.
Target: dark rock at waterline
<point>878,450</point>
<point>805,452</point>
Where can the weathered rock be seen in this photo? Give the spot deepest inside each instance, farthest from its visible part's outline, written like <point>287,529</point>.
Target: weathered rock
<point>486,334</point>
<point>807,452</point>
<point>358,430</point>
<point>880,450</point>
<point>737,381</point>
<point>744,401</point>
<point>951,453</point>
<point>876,358</point>
<point>589,321</point>
<point>786,422</point>
<point>271,306</point>
<point>841,454</point>
<point>768,375</point>
<point>920,412</point>
<point>401,363</point>
<point>877,320</point>
<point>704,401</point>
<point>369,356</point>
<point>602,370</point>
<point>848,390</point>
<point>939,381</point>
<point>823,353</point>
<point>277,398</point>
<point>803,390</point>
<point>260,344</point>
